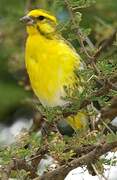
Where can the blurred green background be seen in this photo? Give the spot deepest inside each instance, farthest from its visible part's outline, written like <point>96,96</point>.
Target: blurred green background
<point>13,79</point>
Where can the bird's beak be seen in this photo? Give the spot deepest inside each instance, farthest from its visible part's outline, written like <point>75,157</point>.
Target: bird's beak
<point>27,19</point>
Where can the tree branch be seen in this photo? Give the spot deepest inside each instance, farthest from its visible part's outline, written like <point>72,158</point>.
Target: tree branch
<point>61,172</point>
<point>19,164</point>
<point>108,112</point>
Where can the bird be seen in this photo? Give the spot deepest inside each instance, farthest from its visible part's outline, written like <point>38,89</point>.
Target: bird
<point>51,62</point>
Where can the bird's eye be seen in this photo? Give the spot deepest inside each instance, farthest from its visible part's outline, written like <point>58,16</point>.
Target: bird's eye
<point>40,18</point>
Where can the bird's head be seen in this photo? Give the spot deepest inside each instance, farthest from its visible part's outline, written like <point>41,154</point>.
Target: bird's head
<point>40,21</point>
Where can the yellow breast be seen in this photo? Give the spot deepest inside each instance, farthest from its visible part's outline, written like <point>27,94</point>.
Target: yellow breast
<point>50,64</point>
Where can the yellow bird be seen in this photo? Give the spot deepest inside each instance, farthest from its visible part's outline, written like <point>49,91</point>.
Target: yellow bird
<point>50,62</point>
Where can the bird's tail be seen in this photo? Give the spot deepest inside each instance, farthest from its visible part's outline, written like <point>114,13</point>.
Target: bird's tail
<point>79,122</point>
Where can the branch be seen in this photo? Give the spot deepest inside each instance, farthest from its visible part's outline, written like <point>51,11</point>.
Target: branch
<point>78,32</point>
<point>91,157</point>
<point>109,112</point>
<point>104,45</point>
<point>81,39</point>
<point>19,164</point>
<point>104,90</point>
<point>93,57</point>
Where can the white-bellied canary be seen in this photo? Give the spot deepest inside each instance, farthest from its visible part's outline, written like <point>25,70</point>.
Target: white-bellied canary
<point>51,62</point>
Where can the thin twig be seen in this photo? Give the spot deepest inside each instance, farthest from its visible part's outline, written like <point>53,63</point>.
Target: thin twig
<point>81,39</point>
<point>96,171</point>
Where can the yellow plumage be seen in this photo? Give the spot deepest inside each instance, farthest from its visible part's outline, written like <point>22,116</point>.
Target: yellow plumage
<point>50,61</point>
